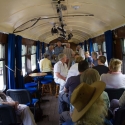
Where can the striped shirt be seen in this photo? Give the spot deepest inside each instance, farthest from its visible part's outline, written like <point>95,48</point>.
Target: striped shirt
<point>68,52</point>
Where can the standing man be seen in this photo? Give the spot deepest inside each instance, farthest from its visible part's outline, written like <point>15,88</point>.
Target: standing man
<point>50,52</point>
<point>61,71</point>
<point>58,49</point>
<point>69,52</point>
<point>80,51</point>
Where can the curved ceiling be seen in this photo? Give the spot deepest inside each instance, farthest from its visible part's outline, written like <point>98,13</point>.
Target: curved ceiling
<point>108,14</point>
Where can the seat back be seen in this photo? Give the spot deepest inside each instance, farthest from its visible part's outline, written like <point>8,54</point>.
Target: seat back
<point>120,117</point>
<point>114,93</point>
<point>7,115</point>
<point>20,95</point>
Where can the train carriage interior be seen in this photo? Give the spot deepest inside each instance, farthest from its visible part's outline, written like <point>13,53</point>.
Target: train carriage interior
<point>57,31</point>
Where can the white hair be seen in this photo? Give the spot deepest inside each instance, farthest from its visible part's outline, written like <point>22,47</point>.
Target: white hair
<point>60,56</point>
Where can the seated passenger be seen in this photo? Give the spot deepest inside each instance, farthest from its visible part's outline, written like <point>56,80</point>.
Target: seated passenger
<point>22,111</point>
<point>88,58</point>
<point>115,103</point>
<point>71,84</point>
<point>61,71</point>
<point>73,71</point>
<point>114,79</point>
<point>74,58</point>
<point>89,76</point>
<point>89,107</point>
<point>95,61</point>
<point>101,68</point>
<point>45,64</point>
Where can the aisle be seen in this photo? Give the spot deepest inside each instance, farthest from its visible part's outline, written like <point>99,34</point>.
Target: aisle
<point>50,108</point>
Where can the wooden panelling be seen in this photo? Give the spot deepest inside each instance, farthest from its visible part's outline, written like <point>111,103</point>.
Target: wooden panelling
<point>99,39</point>
<point>58,39</point>
<point>120,32</point>
<point>3,38</point>
<point>117,51</point>
<point>73,46</point>
<point>28,42</point>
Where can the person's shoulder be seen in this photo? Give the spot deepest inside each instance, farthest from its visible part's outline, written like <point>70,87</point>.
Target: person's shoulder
<point>74,77</point>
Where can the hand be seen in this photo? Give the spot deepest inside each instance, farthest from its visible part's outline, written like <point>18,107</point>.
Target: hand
<point>64,79</point>
<point>16,104</point>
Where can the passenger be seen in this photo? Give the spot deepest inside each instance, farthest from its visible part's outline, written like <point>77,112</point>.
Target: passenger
<point>69,52</point>
<point>73,71</point>
<point>88,58</point>
<point>45,64</point>
<point>89,107</point>
<point>50,51</point>
<point>114,79</point>
<point>101,68</point>
<point>89,76</point>
<point>95,61</point>
<point>115,103</point>
<point>61,71</point>
<point>80,51</point>
<point>74,58</point>
<point>58,49</point>
<point>22,111</point>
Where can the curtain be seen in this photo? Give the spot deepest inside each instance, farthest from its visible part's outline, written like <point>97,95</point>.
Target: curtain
<point>38,55</point>
<point>11,61</point>
<point>90,46</point>
<point>19,74</point>
<point>109,44</point>
<point>85,45</point>
<point>43,48</point>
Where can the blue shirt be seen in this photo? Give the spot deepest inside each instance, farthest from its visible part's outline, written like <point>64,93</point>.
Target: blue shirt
<point>95,62</point>
<point>58,50</point>
<point>50,53</point>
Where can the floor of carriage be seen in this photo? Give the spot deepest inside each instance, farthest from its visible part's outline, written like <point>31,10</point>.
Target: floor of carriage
<point>50,108</point>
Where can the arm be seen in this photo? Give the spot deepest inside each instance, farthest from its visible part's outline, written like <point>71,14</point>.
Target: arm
<point>60,76</point>
<point>13,104</point>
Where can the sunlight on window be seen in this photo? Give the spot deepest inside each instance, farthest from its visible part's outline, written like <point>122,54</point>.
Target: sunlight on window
<point>33,62</point>
<point>95,47</point>
<point>23,65</point>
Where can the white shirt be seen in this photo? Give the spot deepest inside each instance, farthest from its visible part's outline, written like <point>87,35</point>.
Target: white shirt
<point>61,68</point>
<point>114,80</point>
<point>73,71</point>
<point>81,53</point>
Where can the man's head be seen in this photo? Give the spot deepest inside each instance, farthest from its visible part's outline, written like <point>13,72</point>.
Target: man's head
<point>87,54</point>
<point>51,47</point>
<point>62,57</point>
<point>68,45</point>
<point>94,55</point>
<point>101,60</point>
<point>78,47</point>
<point>82,66</point>
<point>46,55</point>
<point>58,43</point>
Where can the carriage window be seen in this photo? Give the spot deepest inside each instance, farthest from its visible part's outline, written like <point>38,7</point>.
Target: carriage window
<point>33,57</point>
<point>2,68</point>
<point>95,47</point>
<point>24,51</point>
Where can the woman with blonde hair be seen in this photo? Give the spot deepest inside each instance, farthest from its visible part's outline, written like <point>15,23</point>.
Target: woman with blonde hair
<point>114,79</point>
<point>97,112</point>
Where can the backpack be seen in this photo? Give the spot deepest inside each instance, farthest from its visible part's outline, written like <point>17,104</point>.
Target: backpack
<point>120,117</point>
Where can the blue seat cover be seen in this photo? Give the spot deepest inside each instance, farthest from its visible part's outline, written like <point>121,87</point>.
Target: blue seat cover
<point>46,81</point>
<point>30,84</point>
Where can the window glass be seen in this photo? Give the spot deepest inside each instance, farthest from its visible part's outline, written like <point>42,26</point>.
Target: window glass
<point>33,62</point>
<point>2,68</point>
<point>95,47</point>
<point>104,47</point>
<point>2,78</point>
<point>24,49</point>
<point>23,66</point>
<point>33,49</point>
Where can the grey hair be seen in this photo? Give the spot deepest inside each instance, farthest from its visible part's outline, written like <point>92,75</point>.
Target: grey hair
<point>60,56</point>
<point>89,76</point>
